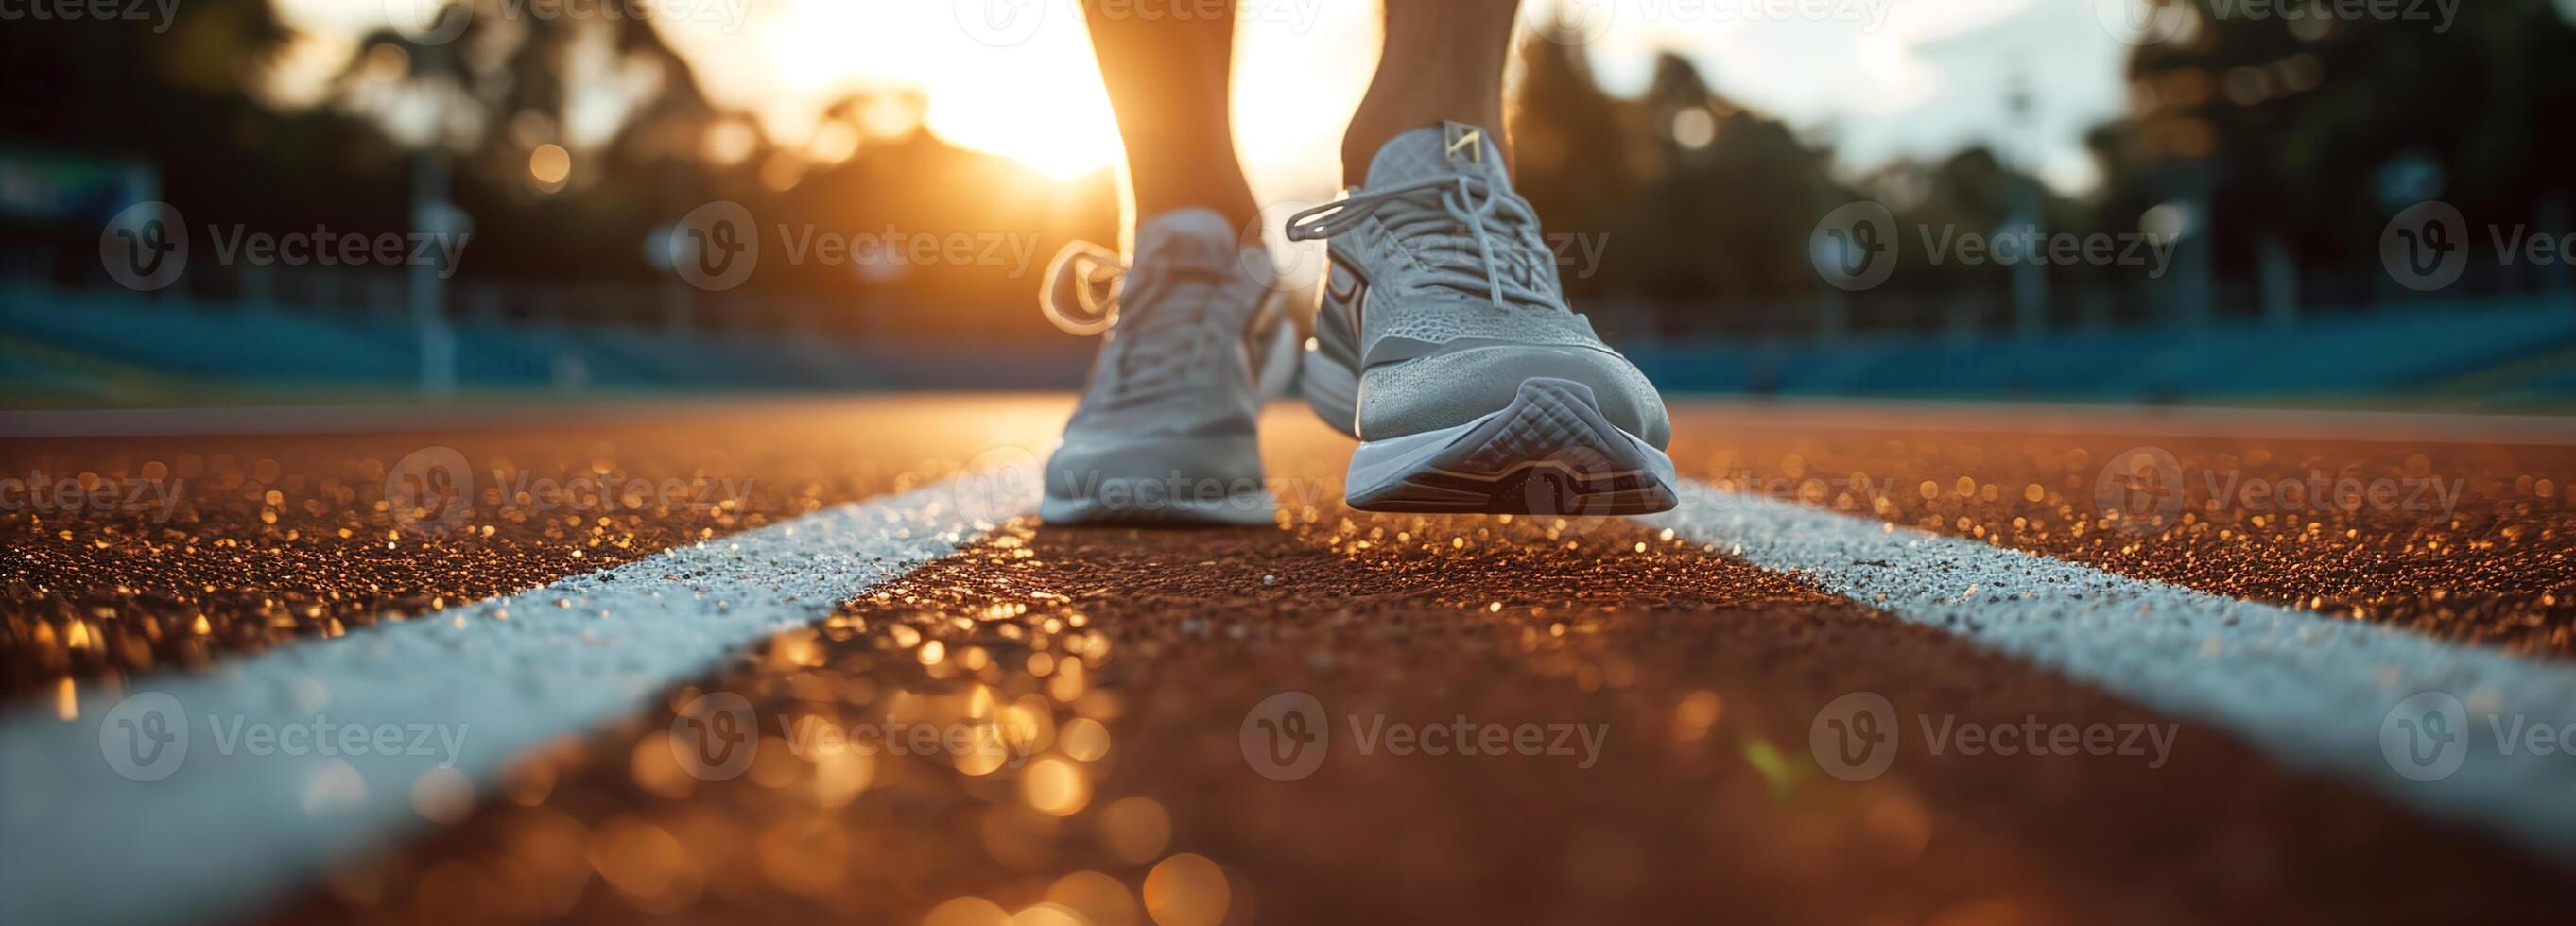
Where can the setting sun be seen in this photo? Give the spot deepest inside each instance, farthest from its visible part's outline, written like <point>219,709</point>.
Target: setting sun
<point>1033,94</point>
<point>1039,102</point>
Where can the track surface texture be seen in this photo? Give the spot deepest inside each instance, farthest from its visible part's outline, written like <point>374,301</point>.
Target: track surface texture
<point>1644,706</point>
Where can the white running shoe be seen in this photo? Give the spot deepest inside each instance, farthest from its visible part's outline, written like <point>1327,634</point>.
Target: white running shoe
<point>1445,345</point>
<point>1164,432</point>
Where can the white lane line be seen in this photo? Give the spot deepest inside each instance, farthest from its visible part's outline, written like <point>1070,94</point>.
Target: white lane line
<point>2312,691</point>
<point>220,829</point>
<point>1811,413</point>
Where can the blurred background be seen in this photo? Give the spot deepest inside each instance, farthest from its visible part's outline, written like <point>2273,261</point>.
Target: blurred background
<point>2240,201</point>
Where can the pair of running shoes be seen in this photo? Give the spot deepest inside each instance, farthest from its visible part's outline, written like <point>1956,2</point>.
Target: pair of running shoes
<point>1442,342</point>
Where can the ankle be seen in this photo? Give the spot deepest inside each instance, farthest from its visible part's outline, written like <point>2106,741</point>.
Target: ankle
<point>1449,69</point>
<point>1169,187</point>
<point>1237,209</point>
<point>1373,126</point>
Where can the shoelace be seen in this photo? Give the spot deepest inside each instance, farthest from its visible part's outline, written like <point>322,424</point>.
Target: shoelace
<point>1101,286</point>
<point>1424,223</point>
<point>1096,278</point>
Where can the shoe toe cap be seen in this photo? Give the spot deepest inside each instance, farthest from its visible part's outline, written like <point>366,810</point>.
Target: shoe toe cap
<point>1453,388</point>
<point>1089,465</point>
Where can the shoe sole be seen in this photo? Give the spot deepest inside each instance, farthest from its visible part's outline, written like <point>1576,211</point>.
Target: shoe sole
<point>1231,511</point>
<point>1548,452</point>
<point>1331,389</point>
<point>1168,481</point>
<point>1278,352</point>
<point>1276,356</point>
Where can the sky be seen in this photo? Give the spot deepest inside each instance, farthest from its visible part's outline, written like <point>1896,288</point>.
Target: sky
<point>1880,79</point>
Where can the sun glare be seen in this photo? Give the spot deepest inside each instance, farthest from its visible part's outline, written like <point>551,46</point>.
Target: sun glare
<point>1035,95</point>
<point>1037,100</point>
<point>1031,92</point>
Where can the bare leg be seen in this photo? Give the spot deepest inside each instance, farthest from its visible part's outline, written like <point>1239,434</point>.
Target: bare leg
<point>1443,62</point>
<point>1169,81</point>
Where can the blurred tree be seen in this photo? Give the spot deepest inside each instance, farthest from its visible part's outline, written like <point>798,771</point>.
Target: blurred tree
<point>1735,196</point>
<point>1723,223</point>
<point>1577,151</point>
<point>2295,124</point>
<point>572,140</point>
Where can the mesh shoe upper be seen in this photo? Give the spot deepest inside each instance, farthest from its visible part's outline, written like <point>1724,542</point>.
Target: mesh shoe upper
<point>1172,392</point>
<point>1448,295</point>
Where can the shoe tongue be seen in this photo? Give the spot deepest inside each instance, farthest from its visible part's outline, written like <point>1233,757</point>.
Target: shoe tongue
<point>1190,239</point>
<point>1195,236</point>
<point>1443,150</point>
